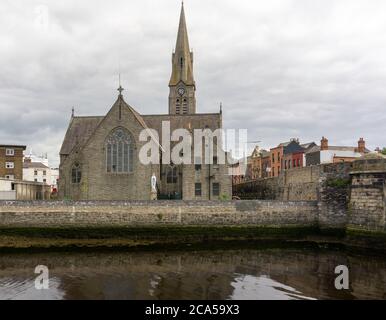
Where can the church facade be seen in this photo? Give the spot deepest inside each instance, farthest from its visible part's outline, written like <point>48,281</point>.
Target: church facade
<point>99,158</point>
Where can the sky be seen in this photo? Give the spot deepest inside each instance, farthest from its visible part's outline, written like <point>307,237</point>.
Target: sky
<point>281,68</point>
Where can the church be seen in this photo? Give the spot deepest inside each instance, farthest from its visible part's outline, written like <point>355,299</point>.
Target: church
<point>99,157</point>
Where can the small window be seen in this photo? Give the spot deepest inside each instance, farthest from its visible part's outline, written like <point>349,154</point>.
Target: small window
<point>9,165</point>
<point>215,161</point>
<point>216,189</point>
<point>36,180</point>
<point>9,152</point>
<point>197,189</point>
<point>197,167</point>
<point>76,174</point>
<point>44,180</point>
<point>12,186</point>
<point>44,172</point>
<point>35,172</point>
<point>171,176</point>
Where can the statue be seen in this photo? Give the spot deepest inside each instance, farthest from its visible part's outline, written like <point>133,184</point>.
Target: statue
<point>153,182</point>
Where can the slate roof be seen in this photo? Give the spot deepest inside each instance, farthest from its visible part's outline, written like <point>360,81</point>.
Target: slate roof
<point>37,165</point>
<point>336,148</point>
<point>78,132</point>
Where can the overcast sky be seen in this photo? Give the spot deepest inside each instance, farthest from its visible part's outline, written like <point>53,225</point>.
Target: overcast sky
<point>281,68</point>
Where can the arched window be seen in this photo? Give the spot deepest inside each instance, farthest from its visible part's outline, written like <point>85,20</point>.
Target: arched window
<point>171,175</point>
<point>119,151</point>
<point>76,173</point>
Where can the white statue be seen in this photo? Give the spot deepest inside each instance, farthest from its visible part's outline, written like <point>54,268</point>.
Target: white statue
<point>153,183</point>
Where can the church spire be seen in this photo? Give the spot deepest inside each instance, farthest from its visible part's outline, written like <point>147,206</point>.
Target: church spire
<point>182,57</point>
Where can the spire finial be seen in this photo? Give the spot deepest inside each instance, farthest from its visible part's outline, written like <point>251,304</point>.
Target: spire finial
<point>72,112</point>
<point>120,89</point>
<point>220,107</point>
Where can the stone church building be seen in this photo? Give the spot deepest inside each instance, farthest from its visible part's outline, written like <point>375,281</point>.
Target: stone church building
<point>99,156</point>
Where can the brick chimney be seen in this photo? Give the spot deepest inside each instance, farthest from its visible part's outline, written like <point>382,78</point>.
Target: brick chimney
<point>324,144</point>
<point>361,145</point>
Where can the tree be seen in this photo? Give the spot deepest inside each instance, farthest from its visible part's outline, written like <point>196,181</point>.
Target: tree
<point>384,151</point>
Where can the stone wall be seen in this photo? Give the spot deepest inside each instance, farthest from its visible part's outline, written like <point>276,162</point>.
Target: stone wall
<point>297,184</point>
<point>368,195</point>
<point>160,213</point>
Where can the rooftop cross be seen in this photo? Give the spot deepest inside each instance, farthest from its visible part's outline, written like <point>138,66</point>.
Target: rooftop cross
<point>120,89</point>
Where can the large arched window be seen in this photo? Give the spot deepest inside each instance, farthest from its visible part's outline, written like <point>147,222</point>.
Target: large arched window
<point>119,151</point>
<point>171,174</point>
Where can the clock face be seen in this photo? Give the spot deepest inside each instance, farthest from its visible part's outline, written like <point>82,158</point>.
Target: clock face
<point>181,91</point>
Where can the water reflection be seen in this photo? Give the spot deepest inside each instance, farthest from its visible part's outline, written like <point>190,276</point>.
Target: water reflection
<point>232,274</point>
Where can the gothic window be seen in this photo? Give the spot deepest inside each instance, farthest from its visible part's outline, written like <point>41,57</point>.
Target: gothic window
<point>182,62</point>
<point>76,173</point>
<point>119,152</point>
<point>171,175</point>
<point>178,106</point>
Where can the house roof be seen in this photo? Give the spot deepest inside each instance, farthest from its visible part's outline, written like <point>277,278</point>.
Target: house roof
<point>13,146</point>
<point>336,148</point>
<point>37,165</point>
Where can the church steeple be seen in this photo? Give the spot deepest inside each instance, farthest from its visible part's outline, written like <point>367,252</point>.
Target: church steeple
<point>182,84</point>
<point>182,57</point>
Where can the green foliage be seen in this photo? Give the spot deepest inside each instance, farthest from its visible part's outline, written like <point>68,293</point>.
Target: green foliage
<point>384,151</point>
<point>338,183</point>
<point>224,197</point>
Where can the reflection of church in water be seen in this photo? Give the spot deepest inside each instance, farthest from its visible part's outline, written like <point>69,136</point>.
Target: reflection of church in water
<point>99,155</point>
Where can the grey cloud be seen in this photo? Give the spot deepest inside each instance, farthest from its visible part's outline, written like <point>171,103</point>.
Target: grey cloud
<point>281,68</point>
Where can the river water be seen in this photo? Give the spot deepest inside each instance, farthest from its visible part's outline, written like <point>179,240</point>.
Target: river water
<point>217,274</point>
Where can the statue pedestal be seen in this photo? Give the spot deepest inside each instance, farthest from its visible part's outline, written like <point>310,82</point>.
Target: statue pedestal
<point>153,195</point>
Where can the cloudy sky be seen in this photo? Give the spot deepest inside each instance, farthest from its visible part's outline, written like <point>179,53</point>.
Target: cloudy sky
<point>281,68</point>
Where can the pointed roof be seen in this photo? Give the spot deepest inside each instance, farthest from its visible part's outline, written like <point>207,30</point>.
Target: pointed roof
<point>182,57</point>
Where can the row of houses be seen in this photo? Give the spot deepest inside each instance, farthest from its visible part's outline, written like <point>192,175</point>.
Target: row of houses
<point>25,177</point>
<point>292,154</point>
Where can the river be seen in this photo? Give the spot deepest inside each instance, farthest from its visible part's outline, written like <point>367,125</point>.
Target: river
<point>234,274</point>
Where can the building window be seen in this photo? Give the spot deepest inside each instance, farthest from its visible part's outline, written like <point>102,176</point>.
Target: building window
<point>10,177</point>
<point>215,161</point>
<point>36,180</point>
<point>273,158</point>
<point>9,165</point>
<point>44,172</point>
<point>119,152</point>
<point>9,152</point>
<point>197,189</point>
<point>216,189</point>
<point>44,180</point>
<point>197,167</point>
<point>76,173</point>
<point>35,172</point>
<point>171,175</point>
